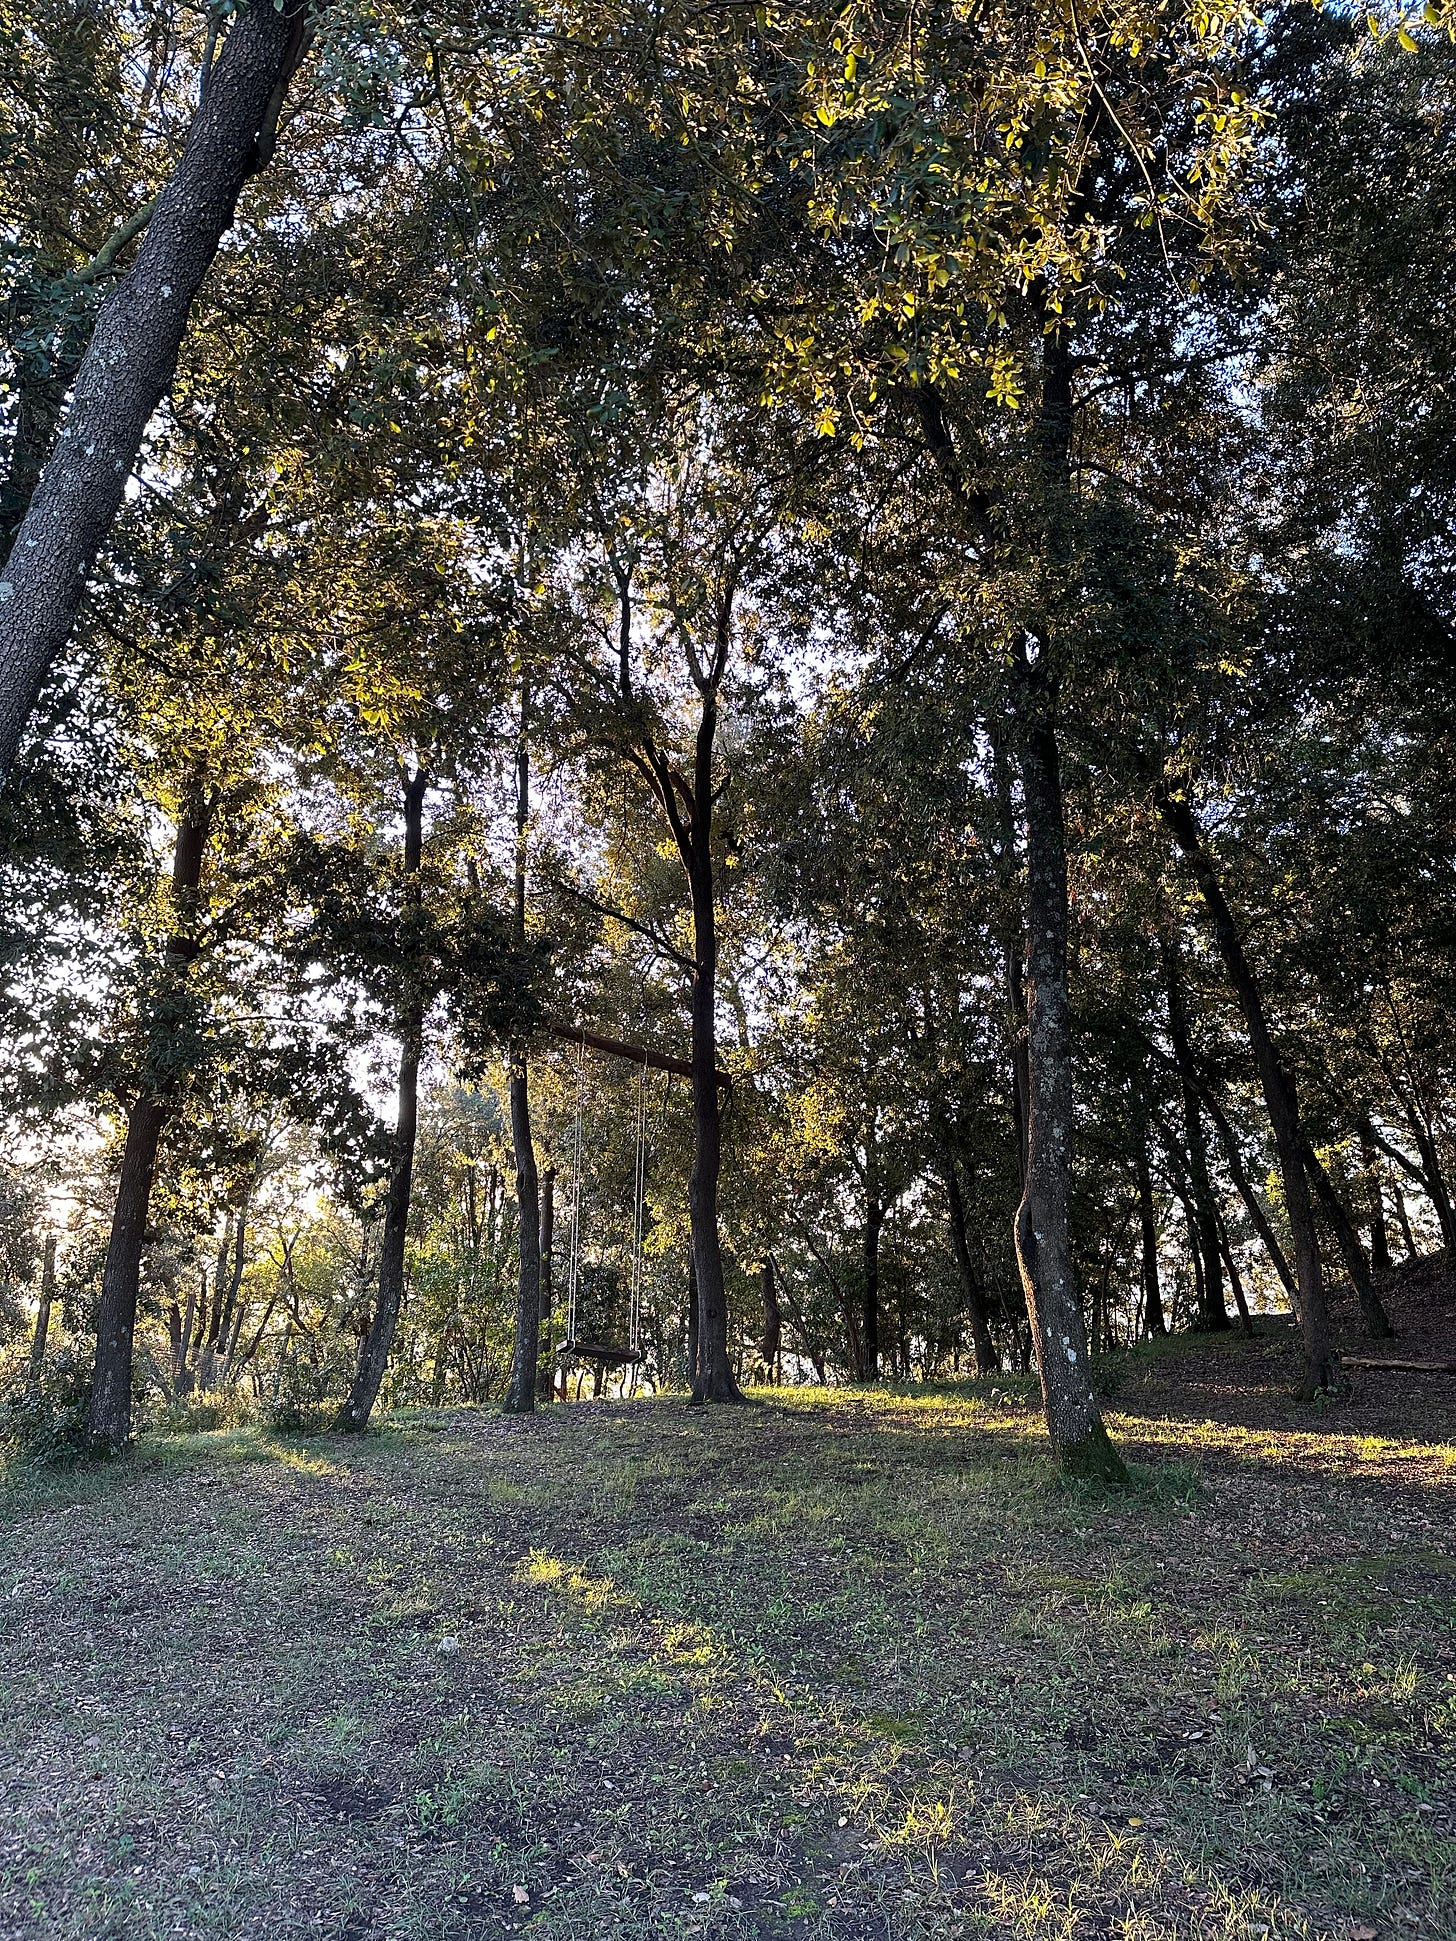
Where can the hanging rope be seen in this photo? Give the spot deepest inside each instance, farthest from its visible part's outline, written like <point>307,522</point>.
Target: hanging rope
<point>573,1264</point>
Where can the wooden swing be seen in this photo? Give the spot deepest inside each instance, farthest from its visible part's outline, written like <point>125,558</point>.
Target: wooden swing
<point>602,1354</point>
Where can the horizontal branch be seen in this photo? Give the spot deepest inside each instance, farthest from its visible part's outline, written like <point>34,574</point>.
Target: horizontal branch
<point>658,1061</point>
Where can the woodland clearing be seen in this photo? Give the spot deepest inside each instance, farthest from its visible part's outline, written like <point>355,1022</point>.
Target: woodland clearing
<point>849,1664</point>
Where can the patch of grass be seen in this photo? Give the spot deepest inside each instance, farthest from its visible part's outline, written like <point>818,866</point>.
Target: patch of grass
<point>854,1664</point>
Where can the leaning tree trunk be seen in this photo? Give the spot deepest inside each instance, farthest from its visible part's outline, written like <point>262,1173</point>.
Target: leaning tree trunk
<point>1321,1363</point>
<point>130,361</point>
<point>520,1396</point>
<point>108,1411</point>
<point>1079,1441</point>
<point>1379,1237</point>
<point>354,1415</point>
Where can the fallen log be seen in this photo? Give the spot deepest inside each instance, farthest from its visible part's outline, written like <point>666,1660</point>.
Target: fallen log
<point>1400,1367</point>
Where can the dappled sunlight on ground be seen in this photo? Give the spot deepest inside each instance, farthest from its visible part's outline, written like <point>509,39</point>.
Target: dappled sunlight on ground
<point>849,1664</point>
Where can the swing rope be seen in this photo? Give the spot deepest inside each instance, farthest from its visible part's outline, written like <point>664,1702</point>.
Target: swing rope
<point>573,1266</point>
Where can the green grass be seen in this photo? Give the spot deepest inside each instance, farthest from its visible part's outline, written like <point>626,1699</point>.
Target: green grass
<point>848,1666</point>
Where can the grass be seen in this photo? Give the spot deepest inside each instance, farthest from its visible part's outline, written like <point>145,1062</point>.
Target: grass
<point>852,1665</point>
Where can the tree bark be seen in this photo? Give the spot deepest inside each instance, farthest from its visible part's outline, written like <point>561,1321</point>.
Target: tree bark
<point>690,1360</point>
<point>1153,1316</point>
<point>1080,1442</point>
<point>132,356</point>
<point>353,1417</point>
<point>1321,1362</point>
<point>108,1412</point>
<point>1213,1315</point>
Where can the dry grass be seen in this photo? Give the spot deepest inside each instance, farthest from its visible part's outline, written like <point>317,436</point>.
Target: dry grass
<point>850,1665</point>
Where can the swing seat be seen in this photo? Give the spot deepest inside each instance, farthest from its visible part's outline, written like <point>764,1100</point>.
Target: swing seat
<point>592,1351</point>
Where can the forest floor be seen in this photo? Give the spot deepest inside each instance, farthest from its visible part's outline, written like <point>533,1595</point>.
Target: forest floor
<point>850,1666</point>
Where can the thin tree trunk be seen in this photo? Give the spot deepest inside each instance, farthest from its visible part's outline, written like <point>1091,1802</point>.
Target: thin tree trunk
<point>1374,1321</point>
<point>973,1291</point>
<point>1153,1316</point>
<point>108,1413</point>
<point>773,1325</point>
<point>1214,1314</point>
<point>1238,1173</point>
<point>130,361</point>
<point>547,1230</point>
<point>1080,1442</point>
<point>870,1262</point>
<point>1236,1281</point>
<point>42,1315</point>
<point>184,1344</point>
<point>1379,1237</point>
<point>354,1415</point>
<point>811,1344</point>
<point>1321,1362</point>
<point>520,1398</point>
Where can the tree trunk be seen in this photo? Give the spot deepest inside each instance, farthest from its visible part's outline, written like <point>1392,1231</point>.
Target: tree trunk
<point>1374,1321</point>
<point>715,1381</point>
<point>546,1247</point>
<point>353,1417</point>
<point>870,1264</point>
<point>1321,1362</point>
<point>184,1344</point>
<point>1246,1320</point>
<point>1079,1441</point>
<point>1154,1319</point>
<point>42,1315</point>
<point>1239,1175</point>
<point>773,1324</point>
<point>108,1413</point>
<point>690,1360</point>
<point>520,1398</point>
<point>1213,1315</point>
<point>130,361</point>
<point>1379,1237</point>
<point>521,1391</point>
<point>973,1291</point>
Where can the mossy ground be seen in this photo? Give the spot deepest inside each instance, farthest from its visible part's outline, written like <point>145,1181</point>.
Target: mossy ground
<point>849,1665</point>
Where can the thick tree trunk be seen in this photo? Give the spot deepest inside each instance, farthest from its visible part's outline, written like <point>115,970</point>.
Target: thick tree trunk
<point>108,1415</point>
<point>973,1291</point>
<point>1374,1321</point>
<point>1321,1362</point>
<point>1213,1315</point>
<point>521,1390</point>
<point>130,361</point>
<point>1153,1317</point>
<point>715,1380</point>
<point>1079,1441</point>
<point>42,1315</point>
<point>353,1417</point>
